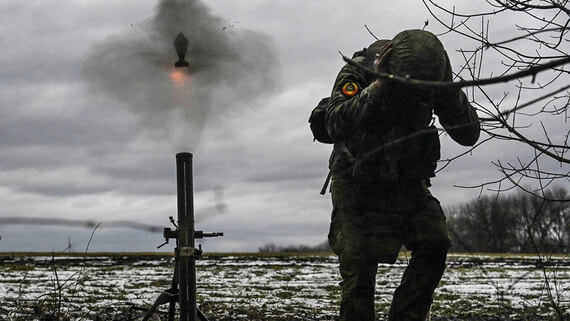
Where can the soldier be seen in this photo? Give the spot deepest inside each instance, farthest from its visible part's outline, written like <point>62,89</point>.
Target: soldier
<point>385,153</point>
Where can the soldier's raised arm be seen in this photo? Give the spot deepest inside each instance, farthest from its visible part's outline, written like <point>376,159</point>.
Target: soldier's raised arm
<point>456,114</point>
<point>348,104</point>
<point>354,97</point>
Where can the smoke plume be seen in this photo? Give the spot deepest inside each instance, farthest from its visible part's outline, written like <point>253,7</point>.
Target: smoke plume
<point>228,68</point>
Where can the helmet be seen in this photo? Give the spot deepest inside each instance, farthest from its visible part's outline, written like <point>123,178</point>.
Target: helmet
<point>417,54</point>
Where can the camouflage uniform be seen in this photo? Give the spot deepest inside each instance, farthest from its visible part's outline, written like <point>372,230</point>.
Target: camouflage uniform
<point>384,154</point>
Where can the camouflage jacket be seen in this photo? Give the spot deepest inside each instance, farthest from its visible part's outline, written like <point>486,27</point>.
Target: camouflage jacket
<point>352,125</point>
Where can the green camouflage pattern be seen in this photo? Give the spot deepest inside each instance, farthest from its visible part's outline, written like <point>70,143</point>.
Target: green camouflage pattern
<point>367,229</point>
<point>373,217</point>
<point>417,54</point>
<point>398,112</point>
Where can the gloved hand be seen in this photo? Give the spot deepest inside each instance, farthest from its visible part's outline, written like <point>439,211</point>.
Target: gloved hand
<point>380,65</point>
<point>382,57</point>
<point>372,109</point>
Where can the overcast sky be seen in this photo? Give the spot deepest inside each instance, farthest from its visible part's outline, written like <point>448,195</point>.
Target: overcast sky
<point>92,116</point>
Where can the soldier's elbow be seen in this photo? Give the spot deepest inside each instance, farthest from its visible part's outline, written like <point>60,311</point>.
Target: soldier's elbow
<point>468,138</point>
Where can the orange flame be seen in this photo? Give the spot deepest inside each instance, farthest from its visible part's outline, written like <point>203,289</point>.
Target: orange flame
<point>178,77</point>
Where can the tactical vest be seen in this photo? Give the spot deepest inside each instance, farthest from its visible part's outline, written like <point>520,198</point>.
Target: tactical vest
<point>406,146</point>
<point>396,155</point>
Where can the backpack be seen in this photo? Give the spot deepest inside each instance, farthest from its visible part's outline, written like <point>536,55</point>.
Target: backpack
<point>317,122</point>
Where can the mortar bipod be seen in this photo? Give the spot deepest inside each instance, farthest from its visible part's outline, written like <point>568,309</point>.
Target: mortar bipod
<point>171,295</point>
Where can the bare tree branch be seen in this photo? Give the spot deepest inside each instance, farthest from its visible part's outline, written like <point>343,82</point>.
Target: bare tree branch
<point>532,71</point>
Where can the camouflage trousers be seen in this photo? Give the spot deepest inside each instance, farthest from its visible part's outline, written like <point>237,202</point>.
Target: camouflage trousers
<point>369,225</point>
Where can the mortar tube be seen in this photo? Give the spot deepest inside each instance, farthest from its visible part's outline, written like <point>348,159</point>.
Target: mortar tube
<point>185,260</point>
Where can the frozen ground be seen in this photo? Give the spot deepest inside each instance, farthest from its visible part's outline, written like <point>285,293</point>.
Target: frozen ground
<point>299,287</point>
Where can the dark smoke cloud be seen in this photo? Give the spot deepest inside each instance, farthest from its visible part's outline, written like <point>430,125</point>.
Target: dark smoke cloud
<point>228,68</point>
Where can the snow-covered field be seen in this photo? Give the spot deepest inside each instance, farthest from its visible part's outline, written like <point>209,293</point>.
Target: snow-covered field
<point>303,287</point>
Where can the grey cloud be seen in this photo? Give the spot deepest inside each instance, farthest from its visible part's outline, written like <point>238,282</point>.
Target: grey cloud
<point>56,130</point>
<point>65,182</point>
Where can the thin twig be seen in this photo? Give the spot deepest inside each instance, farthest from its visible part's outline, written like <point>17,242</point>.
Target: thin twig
<point>84,260</point>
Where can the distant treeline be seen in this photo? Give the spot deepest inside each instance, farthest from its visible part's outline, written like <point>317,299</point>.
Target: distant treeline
<point>506,223</point>
<point>515,223</point>
<point>272,248</point>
